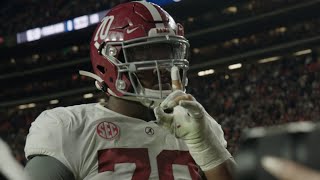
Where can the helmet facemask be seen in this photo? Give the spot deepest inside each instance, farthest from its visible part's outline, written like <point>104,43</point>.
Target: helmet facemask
<point>148,58</point>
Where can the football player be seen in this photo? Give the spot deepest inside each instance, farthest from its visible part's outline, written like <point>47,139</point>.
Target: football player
<point>149,128</point>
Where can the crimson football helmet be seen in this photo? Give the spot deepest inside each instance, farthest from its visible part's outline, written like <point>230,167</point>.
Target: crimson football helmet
<point>135,37</point>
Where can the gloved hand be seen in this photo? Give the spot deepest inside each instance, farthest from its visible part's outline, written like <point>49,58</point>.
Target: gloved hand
<point>189,121</point>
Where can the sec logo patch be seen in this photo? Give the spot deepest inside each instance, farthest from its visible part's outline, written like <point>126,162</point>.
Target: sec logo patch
<point>108,130</point>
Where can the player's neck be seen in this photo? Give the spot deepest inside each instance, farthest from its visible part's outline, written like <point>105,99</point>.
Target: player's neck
<point>129,108</point>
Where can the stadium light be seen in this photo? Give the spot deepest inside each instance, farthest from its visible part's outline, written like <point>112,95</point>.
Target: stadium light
<point>303,52</point>
<point>73,24</point>
<point>94,18</point>
<point>205,72</point>
<point>231,10</point>
<point>81,22</point>
<point>31,105</point>
<point>270,59</point>
<point>235,66</point>
<point>87,96</point>
<point>22,106</point>
<point>25,106</point>
<point>54,101</point>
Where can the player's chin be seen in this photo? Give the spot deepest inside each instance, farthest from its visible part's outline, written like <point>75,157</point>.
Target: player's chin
<point>166,86</point>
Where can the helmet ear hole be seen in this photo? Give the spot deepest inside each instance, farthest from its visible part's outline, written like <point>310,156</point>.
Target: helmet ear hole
<point>101,69</point>
<point>111,51</point>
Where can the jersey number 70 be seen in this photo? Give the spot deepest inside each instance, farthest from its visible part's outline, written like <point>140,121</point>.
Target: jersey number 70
<point>107,158</point>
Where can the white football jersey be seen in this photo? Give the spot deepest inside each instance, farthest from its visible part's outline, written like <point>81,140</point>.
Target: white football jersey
<point>96,143</point>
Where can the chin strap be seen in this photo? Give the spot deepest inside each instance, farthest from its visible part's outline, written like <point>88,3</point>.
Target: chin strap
<point>90,74</point>
<point>148,102</point>
<point>144,101</point>
<point>93,76</point>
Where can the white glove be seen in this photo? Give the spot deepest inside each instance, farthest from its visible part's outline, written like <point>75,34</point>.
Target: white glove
<point>190,122</point>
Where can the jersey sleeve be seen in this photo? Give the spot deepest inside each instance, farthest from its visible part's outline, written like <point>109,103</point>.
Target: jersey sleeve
<point>47,136</point>
<point>47,168</point>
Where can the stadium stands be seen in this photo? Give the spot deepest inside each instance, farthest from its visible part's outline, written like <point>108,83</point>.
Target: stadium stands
<point>257,94</point>
<point>278,92</point>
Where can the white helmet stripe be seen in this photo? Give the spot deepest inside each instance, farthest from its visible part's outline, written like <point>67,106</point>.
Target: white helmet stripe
<point>154,12</point>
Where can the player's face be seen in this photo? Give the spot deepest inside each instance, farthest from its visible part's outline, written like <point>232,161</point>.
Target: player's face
<point>151,52</point>
<point>148,52</point>
<point>149,79</point>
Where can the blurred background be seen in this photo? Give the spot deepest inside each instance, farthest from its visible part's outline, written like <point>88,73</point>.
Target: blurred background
<point>253,63</point>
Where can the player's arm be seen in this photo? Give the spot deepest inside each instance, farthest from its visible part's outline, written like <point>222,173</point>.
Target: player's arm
<point>45,146</point>
<point>47,168</point>
<point>202,134</point>
<point>222,171</point>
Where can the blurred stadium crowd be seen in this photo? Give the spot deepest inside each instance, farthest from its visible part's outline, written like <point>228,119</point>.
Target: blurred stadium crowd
<point>45,13</point>
<point>257,94</point>
<point>80,52</point>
